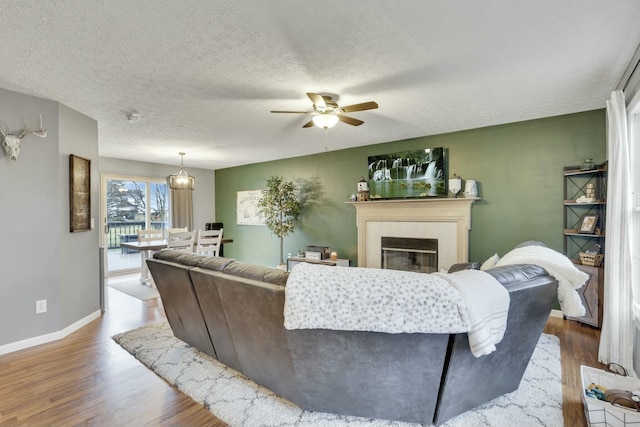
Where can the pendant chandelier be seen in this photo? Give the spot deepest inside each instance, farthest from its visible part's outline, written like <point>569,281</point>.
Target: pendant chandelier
<point>182,180</point>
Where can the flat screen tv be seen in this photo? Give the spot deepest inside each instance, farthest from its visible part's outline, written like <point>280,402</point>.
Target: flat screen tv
<point>408,174</point>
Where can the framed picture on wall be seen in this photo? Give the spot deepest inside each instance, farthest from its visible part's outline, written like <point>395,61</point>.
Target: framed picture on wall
<point>79,193</point>
<point>247,210</point>
<point>588,224</point>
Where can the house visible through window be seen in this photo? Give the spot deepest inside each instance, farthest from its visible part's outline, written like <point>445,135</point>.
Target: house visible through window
<point>131,203</point>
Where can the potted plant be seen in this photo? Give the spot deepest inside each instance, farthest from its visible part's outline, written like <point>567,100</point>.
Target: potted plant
<point>280,208</point>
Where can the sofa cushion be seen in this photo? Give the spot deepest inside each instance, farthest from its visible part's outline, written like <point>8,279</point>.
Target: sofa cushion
<point>215,263</point>
<point>490,262</point>
<point>179,257</point>
<point>257,272</point>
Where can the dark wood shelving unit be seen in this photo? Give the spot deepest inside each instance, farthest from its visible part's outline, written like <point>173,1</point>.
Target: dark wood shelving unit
<point>575,184</point>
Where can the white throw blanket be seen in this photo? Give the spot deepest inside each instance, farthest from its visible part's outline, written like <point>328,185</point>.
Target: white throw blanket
<point>559,266</point>
<point>391,301</point>
<point>488,306</point>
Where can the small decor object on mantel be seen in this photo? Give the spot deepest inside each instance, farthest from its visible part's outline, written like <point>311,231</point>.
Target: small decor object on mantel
<point>455,185</point>
<point>363,190</point>
<point>470,188</point>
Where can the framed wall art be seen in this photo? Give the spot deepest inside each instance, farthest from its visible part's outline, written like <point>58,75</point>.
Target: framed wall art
<point>588,224</point>
<point>408,174</point>
<point>79,193</point>
<point>247,210</point>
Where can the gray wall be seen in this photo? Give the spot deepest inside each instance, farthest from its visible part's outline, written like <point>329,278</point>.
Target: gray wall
<point>39,258</point>
<point>79,269</point>
<point>203,196</point>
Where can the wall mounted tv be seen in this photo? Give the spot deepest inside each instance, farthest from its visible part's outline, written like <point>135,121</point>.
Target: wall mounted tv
<point>408,174</point>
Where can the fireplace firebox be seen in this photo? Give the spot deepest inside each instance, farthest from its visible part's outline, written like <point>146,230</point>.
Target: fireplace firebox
<point>409,254</point>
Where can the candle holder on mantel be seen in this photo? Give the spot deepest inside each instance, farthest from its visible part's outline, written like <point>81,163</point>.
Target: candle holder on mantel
<point>455,185</point>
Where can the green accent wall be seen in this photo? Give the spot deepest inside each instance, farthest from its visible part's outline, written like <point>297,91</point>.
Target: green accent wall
<point>518,167</point>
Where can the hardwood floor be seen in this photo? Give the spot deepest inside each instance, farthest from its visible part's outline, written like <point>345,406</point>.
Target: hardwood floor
<point>87,379</point>
<point>578,346</point>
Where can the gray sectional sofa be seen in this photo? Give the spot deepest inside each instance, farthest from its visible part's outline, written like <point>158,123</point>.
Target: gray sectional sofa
<point>233,311</point>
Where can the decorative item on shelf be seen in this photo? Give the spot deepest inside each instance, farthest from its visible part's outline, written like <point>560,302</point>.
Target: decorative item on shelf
<point>301,253</point>
<point>363,190</point>
<point>592,256</point>
<point>591,191</point>
<point>455,185</point>
<point>334,256</point>
<point>182,180</point>
<point>587,165</point>
<point>352,197</point>
<point>590,196</point>
<point>588,224</point>
<point>593,260</point>
<point>471,188</point>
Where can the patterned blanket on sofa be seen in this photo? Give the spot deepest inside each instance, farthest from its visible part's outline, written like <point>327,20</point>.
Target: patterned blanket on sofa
<point>391,301</point>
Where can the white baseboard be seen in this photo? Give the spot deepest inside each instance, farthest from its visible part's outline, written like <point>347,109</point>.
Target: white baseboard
<point>53,336</point>
<point>556,313</point>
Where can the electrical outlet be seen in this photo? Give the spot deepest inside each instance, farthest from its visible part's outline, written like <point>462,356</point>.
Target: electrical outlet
<point>41,306</point>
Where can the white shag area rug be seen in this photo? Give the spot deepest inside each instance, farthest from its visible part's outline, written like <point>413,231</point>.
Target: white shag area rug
<point>240,402</point>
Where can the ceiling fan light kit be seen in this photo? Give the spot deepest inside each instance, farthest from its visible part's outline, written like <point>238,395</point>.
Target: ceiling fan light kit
<point>326,112</point>
<point>325,121</point>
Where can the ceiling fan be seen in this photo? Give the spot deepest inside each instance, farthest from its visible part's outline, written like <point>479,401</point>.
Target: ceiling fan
<point>326,112</point>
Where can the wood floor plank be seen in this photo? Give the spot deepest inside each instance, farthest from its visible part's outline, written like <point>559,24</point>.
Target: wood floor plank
<point>87,379</point>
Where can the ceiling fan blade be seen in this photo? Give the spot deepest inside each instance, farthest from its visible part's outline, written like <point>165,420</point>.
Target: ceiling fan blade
<point>317,99</point>
<point>350,120</point>
<point>292,112</point>
<point>360,107</point>
<point>308,124</point>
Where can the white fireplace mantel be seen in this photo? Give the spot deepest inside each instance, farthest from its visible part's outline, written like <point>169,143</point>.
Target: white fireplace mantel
<point>447,219</point>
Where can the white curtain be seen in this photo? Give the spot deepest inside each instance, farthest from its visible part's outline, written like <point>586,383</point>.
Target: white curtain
<point>616,339</point>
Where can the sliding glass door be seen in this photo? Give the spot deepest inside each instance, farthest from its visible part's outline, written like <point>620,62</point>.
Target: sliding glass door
<point>130,203</point>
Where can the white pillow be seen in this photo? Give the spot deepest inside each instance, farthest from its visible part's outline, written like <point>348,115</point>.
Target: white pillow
<point>490,263</point>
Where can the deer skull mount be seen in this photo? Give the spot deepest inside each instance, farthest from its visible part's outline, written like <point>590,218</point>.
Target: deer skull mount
<point>11,142</point>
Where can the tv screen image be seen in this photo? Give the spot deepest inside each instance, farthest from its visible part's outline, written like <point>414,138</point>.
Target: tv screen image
<point>408,174</point>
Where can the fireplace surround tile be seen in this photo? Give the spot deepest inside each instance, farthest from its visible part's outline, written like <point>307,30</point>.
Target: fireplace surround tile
<point>448,220</point>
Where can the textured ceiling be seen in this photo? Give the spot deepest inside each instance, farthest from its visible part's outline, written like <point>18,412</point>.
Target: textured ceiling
<point>205,74</point>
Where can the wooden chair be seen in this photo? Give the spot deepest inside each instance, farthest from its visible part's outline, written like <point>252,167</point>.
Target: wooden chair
<point>173,230</point>
<point>147,235</point>
<point>208,242</point>
<point>181,241</point>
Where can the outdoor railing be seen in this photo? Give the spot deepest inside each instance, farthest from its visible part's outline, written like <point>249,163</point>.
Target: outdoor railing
<point>125,230</point>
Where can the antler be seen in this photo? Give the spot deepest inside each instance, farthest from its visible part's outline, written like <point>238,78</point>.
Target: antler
<point>39,132</point>
<point>24,131</point>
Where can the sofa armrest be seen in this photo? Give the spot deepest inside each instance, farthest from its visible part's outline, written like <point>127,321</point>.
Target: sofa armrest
<point>465,266</point>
